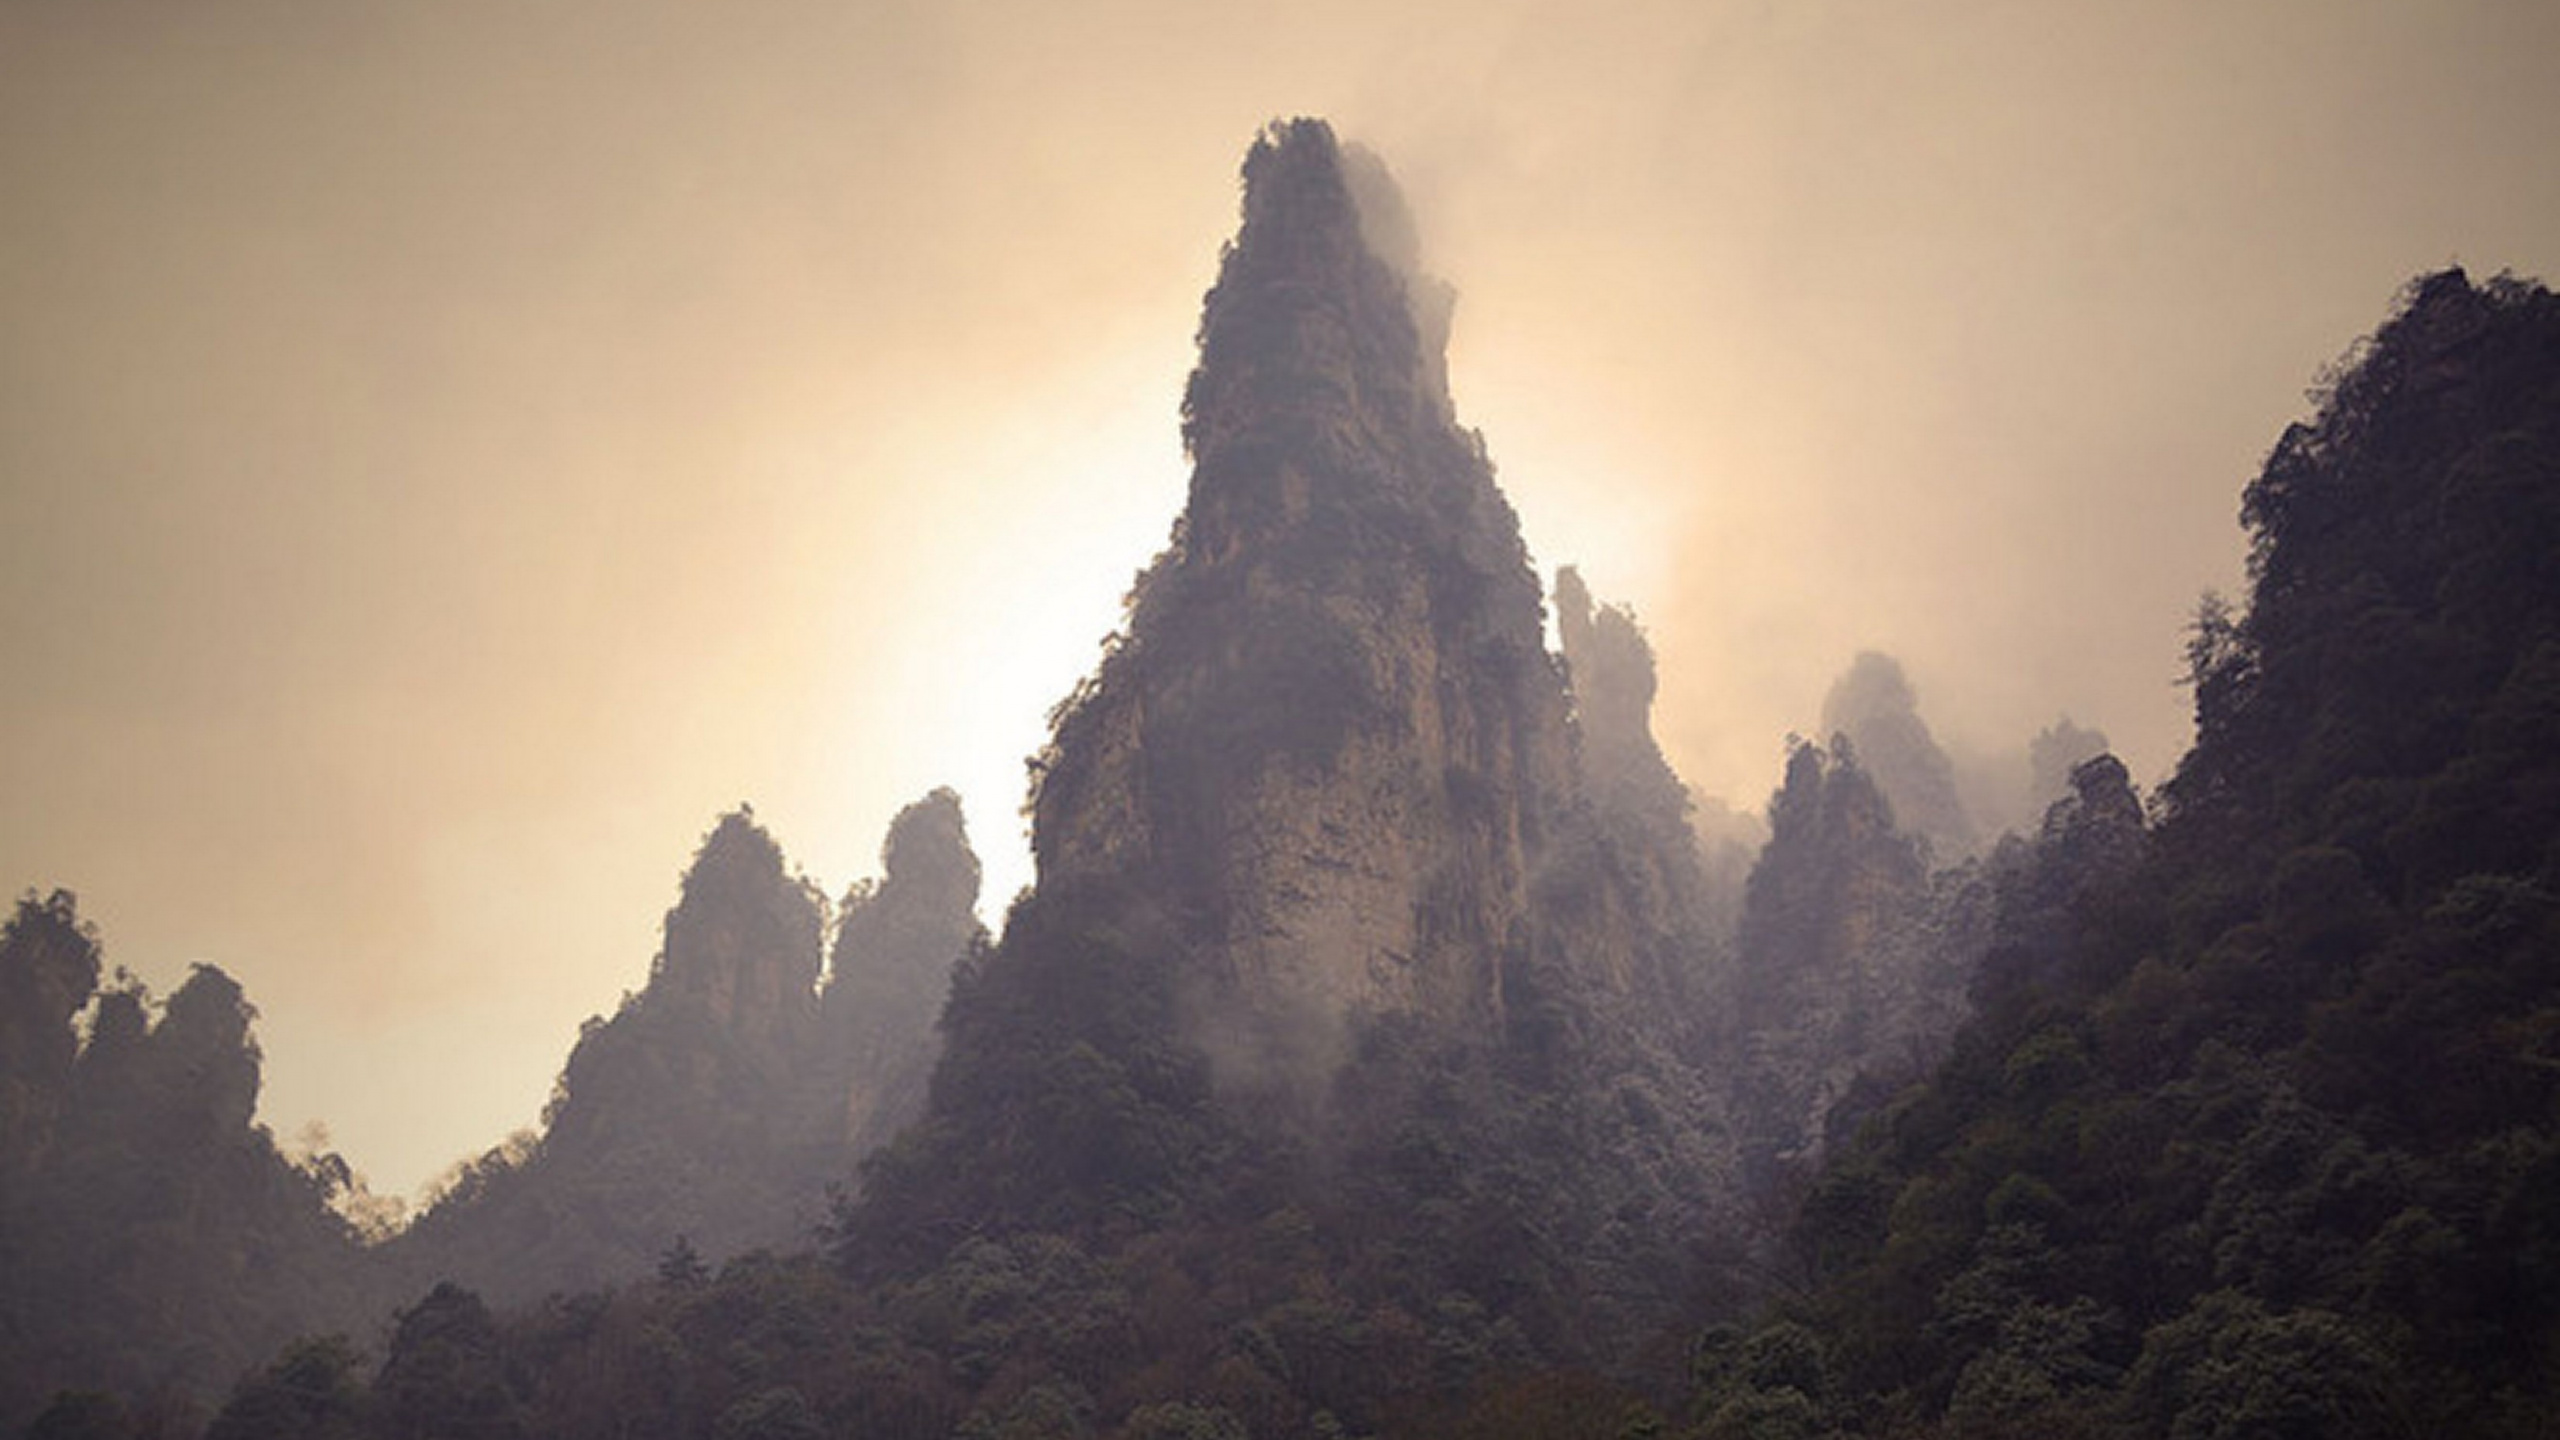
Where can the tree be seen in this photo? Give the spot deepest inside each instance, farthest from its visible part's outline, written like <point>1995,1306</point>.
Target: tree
<point>310,1392</point>
<point>446,1377</point>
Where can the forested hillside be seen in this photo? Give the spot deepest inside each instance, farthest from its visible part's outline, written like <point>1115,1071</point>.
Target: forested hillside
<point>154,1240</point>
<point>2255,1133</point>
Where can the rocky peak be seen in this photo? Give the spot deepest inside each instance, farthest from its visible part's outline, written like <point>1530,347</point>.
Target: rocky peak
<point>1874,705</point>
<point>1331,742</point>
<point>896,943</point>
<point>2101,814</point>
<point>927,856</point>
<point>1320,315</point>
<point>1641,804</point>
<point>1610,666</point>
<point>712,1105</point>
<point>1319,885</point>
<point>2091,839</point>
<point>742,943</point>
<point>48,970</point>
<point>1832,979</point>
<point>184,1084</point>
<point>1833,845</point>
<point>2056,752</point>
<point>204,1062</point>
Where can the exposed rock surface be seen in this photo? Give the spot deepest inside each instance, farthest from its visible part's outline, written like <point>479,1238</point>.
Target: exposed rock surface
<point>1331,743</point>
<point>721,1102</point>
<point>1852,959</point>
<point>153,1238</point>
<point>1874,705</point>
<point>1640,803</point>
<point>896,941</point>
<point>741,953</point>
<point>1331,930</point>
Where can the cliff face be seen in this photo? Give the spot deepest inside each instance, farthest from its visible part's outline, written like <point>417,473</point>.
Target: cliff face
<point>674,1118</point>
<point>705,1056</point>
<point>1874,705</point>
<point>1852,959</point>
<point>153,1238</point>
<point>1636,799</point>
<point>1331,939</point>
<point>722,1100</point>
<point>1331,742</point>
<point>895,945</point>
<point>742,944</point>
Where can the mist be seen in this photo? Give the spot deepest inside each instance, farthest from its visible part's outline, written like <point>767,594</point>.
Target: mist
<point>449,455</point>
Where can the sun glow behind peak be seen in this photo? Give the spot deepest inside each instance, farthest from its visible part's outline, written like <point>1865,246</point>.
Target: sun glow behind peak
<point>1071,492</point>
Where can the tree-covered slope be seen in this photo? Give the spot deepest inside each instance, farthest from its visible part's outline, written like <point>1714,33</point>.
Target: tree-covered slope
<point>2255,1134</point>
<point>153,1239</point>
<point>719,1105</point>
<point>1334,952</point>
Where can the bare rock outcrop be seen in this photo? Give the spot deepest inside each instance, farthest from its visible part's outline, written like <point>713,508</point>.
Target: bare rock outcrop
<point>1852,960</point>
<point>1874,704</point>
<point>721,1102</point>
<point>896,942</point>
<point>1639,803</point>
<point>1329,926</point>
<point>153,1238</point>
<point>1331,741</point>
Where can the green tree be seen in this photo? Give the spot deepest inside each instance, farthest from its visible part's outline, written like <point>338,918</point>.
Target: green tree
<point>446,1376</point>
<point>310,1392</point>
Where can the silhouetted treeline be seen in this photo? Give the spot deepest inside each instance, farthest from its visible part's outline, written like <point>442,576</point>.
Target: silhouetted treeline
<point>156,1244</point>
<point>153,1239</point>
<point>2254,1134</point>
<point>719,1106</point>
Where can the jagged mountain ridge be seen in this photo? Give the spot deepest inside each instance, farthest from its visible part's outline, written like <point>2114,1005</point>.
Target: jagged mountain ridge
<point>1874,705</point>
<point>896,944</point>
<point>157,1241</point>
<point>2253,1138</point>
<point>154,1238</point>
<point>1639,802</point>
<point>721,1102</point>
<point>1333,691</point>
<point>2254,1133</point>
<point>1367,1005</point>
<point>1321,875</point>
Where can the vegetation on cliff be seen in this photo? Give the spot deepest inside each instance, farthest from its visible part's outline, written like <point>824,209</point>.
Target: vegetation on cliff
<point>2255,1133</point>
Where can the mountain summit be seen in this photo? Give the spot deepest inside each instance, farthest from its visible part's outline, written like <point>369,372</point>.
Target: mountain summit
<point>1320,877</point>
<point>1331,742</point>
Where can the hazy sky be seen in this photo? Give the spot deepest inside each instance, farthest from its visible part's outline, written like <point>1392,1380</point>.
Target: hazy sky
<point>451,451</point>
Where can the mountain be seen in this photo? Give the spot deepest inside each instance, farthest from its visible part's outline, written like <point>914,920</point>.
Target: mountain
<point>1867,915</point>
<point>1331,935</point>
<point>1343,1063</point>
<point>1330,748</point>
<point>155,1240</point>
<point>157,1243</point>
<point>712,1113</point>
<point>896,944</point>
<point>1380,1052</point>
<point>1874,705</point>
<point>2257,1131</point>
<point>1639,803</point>
<point>1851,966</point>
<point>674,1118</point>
